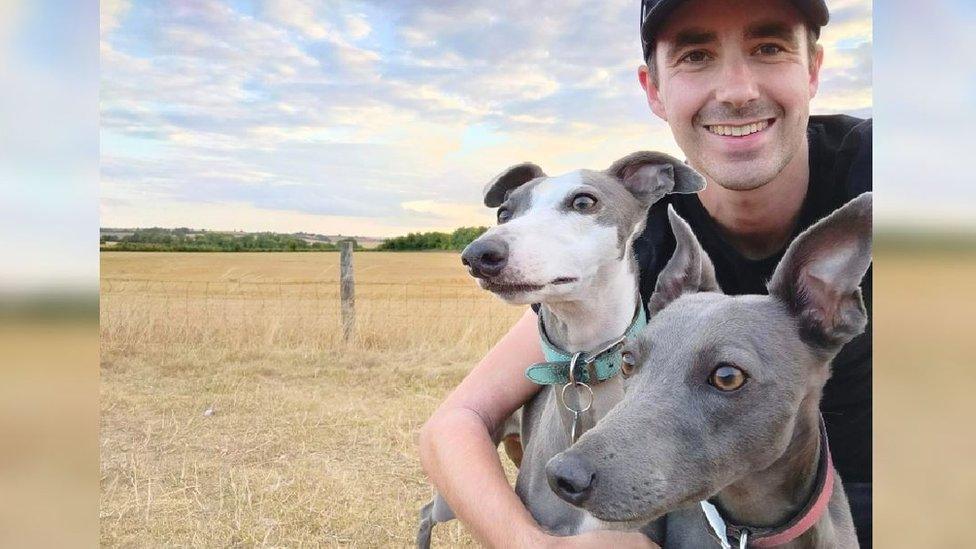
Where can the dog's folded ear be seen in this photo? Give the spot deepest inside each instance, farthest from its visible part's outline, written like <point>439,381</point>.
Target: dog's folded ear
<point>498,188</point>
<point>819,276</point>
<point>688,271</point>
<point>650,175</point>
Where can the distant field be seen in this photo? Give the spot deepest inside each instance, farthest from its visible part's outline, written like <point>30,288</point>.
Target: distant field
<point>314,442</point>
<point>259,301</point>
<point>387,267</point>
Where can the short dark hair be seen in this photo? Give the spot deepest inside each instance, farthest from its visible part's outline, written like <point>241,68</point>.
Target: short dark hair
<point>812,36</point>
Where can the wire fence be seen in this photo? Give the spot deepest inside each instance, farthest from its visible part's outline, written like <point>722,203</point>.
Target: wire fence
<point>143,311</point>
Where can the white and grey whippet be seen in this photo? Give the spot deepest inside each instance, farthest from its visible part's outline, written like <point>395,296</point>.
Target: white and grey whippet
<point>723,401</point>
<point>565,242</point>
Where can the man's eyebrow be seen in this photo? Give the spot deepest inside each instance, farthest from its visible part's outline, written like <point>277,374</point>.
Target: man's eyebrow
<point>772,29</point>
<point>692,37</point>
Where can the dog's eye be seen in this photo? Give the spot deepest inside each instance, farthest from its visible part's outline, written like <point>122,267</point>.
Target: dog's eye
<point>504,215</point>
<point>627,363</point>
<point>727,377</point>
<point>583,202</point>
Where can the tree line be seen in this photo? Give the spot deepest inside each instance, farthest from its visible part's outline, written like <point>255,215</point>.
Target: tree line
<point>187,240</point>
<point>456,240</point>
<point>183,240</point>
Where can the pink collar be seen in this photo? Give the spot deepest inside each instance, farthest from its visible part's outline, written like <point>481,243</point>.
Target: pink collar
<point>801,522</point>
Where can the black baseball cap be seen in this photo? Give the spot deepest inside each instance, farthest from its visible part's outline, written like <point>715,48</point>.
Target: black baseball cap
<point>654,12</point>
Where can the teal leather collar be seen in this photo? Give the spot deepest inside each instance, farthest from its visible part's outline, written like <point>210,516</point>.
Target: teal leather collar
<point>600,366</point>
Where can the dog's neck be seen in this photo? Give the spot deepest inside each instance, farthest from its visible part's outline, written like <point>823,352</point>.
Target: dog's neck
<point>599,312</point>
<point>771,497</point>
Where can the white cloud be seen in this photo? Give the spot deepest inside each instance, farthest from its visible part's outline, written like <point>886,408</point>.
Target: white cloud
<point>297,14</point>
<point>356,26</point>
<point>450,215</point>
<point>110,12</point>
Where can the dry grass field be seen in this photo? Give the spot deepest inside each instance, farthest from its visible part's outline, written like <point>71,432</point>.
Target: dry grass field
<point>312,441</point>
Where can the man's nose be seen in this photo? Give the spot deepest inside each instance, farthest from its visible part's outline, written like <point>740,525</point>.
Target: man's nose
<point>737,83</point>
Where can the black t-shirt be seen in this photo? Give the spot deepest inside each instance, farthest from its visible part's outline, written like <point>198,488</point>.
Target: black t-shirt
<point>840,169</point>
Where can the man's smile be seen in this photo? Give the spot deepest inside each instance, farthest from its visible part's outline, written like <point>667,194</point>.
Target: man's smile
<point>739,130</point>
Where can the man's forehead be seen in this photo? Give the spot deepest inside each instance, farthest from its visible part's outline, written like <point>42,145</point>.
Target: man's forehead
<point>699,22</point>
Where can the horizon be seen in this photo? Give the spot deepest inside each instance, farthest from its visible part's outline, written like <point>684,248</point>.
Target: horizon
<point>203,229</point>
<point>887,227</point>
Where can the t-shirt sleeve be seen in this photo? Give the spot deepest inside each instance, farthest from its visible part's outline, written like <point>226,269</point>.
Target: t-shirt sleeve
<point>856,149</point>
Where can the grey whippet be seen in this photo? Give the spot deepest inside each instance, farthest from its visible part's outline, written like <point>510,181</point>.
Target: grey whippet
<point>722,403</point>
<point>565,242</point>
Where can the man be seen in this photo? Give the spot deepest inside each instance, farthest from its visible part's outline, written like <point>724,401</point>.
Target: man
<point>733,79</point>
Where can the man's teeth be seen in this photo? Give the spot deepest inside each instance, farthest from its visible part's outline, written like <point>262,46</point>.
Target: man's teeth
<point>738,131</point>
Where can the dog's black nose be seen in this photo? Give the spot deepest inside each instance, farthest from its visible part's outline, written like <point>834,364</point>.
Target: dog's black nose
<point>485,257</point>
<point>571,477</point>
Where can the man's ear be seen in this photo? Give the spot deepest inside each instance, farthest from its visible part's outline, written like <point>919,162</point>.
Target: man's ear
<point>652,92</point>
<point>815,65</point>
<point>819,276</point>
<point>498,188</point>
<point>651,175</point>
<point>689,270</point>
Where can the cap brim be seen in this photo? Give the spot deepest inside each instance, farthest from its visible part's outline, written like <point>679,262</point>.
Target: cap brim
<point>815,11</point>
<point>654,18</point>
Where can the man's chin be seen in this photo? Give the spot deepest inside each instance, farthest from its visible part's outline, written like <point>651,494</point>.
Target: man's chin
<point>742,175</point>
<point>745,171</point>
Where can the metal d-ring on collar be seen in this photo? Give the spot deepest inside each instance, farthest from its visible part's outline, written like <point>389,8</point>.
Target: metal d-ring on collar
<point>575,431</point>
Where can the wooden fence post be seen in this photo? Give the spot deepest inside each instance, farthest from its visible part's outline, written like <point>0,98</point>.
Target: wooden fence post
<point>347,289</point>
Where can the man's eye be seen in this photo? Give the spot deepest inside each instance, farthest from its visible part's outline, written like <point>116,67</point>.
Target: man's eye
<point>504,215</point>
<point>769,49</point>
<point>696,57</point>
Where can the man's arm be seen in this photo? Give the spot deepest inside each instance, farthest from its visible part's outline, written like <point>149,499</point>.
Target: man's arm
<point>456,449</point>
<point>458,455</point>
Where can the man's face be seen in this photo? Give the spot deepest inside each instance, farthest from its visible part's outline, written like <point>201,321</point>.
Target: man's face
<point>734,83</point>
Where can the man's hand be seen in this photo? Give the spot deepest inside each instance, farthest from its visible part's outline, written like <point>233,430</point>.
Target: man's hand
<point>599,539</point>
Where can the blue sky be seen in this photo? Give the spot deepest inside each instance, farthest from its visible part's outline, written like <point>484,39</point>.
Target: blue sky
<point>377,118</point>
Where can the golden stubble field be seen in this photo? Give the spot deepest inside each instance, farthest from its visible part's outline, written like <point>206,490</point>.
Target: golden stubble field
<point>312,441</point>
